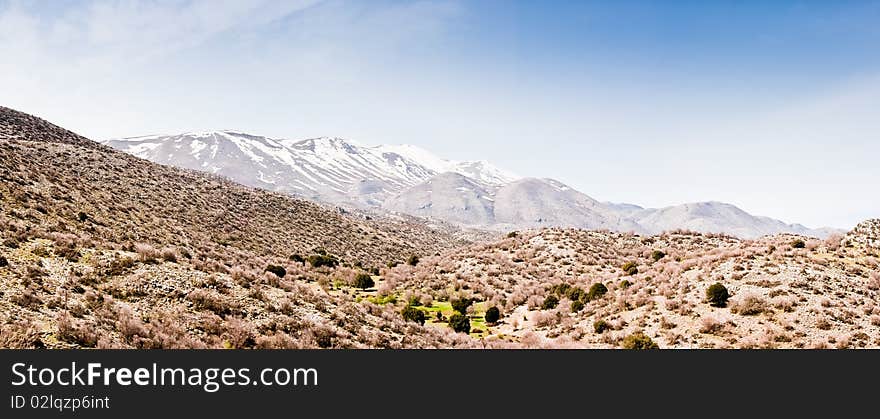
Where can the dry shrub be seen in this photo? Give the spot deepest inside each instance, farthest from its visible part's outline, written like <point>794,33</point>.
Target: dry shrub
<point>711,325</point>
<point>169,254</point>
<point>874,281</point>
<point>68,330</point>
<point>208,300</point>
<point>785,303</point>
<point>749,305</point>
<point>20,335</point>
<point>276,341</point>
<point>146,253</point>
<point>27,299</point>
<point>239,334</point>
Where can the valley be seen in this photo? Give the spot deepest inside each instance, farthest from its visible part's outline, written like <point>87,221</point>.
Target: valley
<point>102,249</point>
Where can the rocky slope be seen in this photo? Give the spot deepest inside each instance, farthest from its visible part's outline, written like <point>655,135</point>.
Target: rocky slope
<point>786,291</point>
<point>100,248</point>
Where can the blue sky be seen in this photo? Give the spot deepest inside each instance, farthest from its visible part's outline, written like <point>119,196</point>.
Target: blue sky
<point>772,106</point>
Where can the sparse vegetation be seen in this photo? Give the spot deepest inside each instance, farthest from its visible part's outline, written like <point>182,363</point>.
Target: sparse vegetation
<point>152,266</point>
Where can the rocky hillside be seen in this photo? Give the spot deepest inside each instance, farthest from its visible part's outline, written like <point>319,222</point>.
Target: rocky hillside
<point>866,234</point>
<point>589,289</point>
<point>16,125</point>
<point>97,244</point>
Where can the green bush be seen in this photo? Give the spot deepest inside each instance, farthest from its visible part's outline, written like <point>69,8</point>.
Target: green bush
<point>657,255</point>
<point>625,284</point>
<point>413,260</point>
<point>560,289</point>
<point>412,314</point>
<point>82,217</point>
<point>638,340</point>
<point>461,304</point>
<point>630,268</point>
<point>550,302</point>
<point>511,235</point>
<point>717,295</point>
<point>460,323</point>
<point>576,306</point>
<point>392,264</point>
<point>277,270</point>
<point>576,294</point>
<point>3,262</point>
<point>319,260</point>
<point>597,291</point>
<point>493,315</point>
<point>297,258</point>
<point>798,244</point>
<point>363,281</point>
<point>600,326</point>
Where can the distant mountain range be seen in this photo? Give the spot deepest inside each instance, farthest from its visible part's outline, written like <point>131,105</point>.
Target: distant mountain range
<point>410,180</point>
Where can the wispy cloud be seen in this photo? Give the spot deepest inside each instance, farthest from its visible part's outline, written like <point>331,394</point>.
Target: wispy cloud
<point>112,33</point>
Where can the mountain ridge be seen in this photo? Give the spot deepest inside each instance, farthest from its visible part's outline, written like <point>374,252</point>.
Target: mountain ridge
<point>386,177</point>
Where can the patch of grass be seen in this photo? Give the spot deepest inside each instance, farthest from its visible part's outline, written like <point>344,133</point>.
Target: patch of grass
<point>381,301</point>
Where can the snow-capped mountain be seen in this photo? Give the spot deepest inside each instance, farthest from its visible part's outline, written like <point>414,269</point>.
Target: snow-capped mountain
<point>410,180</point>
<point>325,169</point>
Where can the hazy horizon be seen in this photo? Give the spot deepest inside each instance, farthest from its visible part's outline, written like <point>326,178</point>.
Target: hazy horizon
<point>770,107</point>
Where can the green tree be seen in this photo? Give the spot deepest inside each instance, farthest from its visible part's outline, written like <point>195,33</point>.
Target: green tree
<point>363,281</point>
<point>550,302</point>
<point>461,304</point>
<point>460,323</point>
<point>717,295</point>
<point>638,340</point>
<point>493,315</point>
<point>319,260</point>
<point>597,291</point>
<point>412,314</point>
